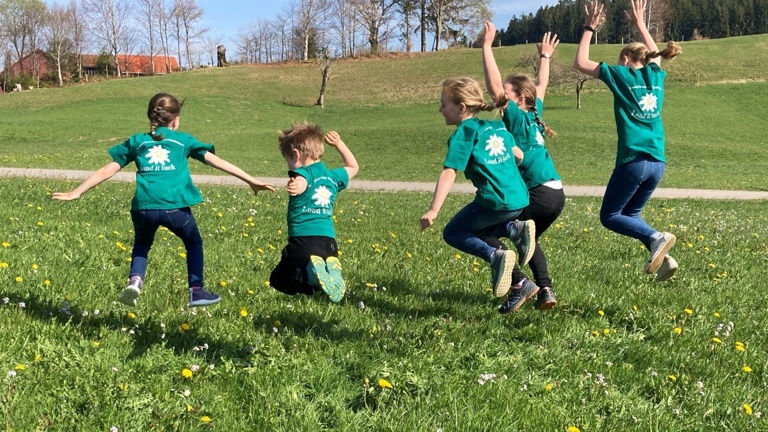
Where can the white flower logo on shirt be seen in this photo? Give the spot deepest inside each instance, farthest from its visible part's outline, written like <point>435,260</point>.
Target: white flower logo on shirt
<point>322,196</point>
<point>648,102</point>
<point>158,155</point>
<point>539,138</point>
<point>495,145</point>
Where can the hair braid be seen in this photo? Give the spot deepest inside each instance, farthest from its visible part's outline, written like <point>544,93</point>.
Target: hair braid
<point>549,132</point>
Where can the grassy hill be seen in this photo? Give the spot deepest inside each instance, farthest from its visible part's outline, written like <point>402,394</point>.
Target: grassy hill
<point>386,110</point>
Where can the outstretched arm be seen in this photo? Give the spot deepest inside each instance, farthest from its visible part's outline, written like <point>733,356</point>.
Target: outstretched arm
<point>104,173</point>
<point>350,163</point>
<point>444,183</point>
<point>546,49</point>
<point>637,18</point>
<point>492,75</point>
<point>222,165</point>
<point>593,17</point>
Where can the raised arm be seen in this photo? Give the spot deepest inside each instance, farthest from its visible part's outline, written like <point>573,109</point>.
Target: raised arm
<point>444,184</point>
<point>593,18</point>
<point>546,48</point>
<point>350,163</point>
<point>222,165</point>
<point>493,80</point>
<point>104,173</point>
<point>636,16</point>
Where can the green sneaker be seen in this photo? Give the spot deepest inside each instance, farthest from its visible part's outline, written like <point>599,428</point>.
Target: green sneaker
<point>501,272</point>
<point>339,288</point>
<point>318,275</point>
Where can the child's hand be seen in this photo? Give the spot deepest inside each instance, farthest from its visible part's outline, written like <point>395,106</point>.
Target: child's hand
<point>259,186</point>
<point>594,16</point>
<point>638,11</point>
<point>296,185</point>
<point>489,33</point>
<point>427,220</point>
<point>65,196</point>
<point>333,139</point>
<point>548,44</point>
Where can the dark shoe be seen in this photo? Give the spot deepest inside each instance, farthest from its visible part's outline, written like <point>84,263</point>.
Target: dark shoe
<point>201,297</point>
<point>659,249</point>
<point>518,296</point>
<point>131,292</point>
<point>546,299</point>
<point>501,272</point>
<point>525,241</point>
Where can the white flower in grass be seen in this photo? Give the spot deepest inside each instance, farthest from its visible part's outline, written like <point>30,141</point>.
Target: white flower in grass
<point>22,305</point>
<point>6,300</point>
<point>322,196</point>
<point>186,393</point>
<point>194,368</point>
<point>648,102</point>
<point>495,145</point>
<point>158,155</point>
<point>11,373</point>
<point>114,429</point>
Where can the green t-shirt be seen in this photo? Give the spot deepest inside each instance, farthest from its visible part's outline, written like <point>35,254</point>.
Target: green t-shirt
<point>537,167</point>
<point>638,96</point>
<point>483,150</point>
<point>163,181</point>
<point>311,213</point>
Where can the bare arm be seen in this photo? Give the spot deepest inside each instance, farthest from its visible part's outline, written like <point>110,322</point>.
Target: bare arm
<point>518,153</point>
<point>493,80</point>
<point>593,18</point>
<point>443,186</point>
<point>222,165</point>
<point>350,163</point>
<point>104,173</point>
<point>637,18</point>
<point>546,49</point>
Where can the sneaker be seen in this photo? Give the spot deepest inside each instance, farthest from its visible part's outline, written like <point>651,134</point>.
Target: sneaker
<point>131,292</point>
<point>546,299</point>
<point>667,269</point>
<point>525,241</point>
<point>338,286</point>
<point>501,272</point>
<point>318,276</point>
<point>659,249</point>
<point>201,297</point>
<point>518,296</point>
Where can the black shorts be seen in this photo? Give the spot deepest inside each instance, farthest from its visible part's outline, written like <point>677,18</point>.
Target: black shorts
<point>290,275</point>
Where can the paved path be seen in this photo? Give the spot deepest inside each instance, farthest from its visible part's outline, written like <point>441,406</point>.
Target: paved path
<point>589,191</point>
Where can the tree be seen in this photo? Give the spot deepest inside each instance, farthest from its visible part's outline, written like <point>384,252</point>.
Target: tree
<point>23,22</point>
<point>163,19</point>
<point>376,17</point>
<point>310,16</point>
<point>78,34</point>
<point>326,65</point>
<point>147,13</point>
<point>109,24</point>
<point>407,9</point>
<point>60,45</point>
<point>187,17</point>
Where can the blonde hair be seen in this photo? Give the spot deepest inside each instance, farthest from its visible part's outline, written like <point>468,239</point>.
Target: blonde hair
<point>638,52</point>
<point>162,110</point>
<point>305,137</point>
<point>524,86</point>
<point>468,92</point>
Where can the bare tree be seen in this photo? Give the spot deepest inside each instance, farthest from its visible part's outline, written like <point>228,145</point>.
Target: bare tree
<point>376,16</point>
<point>451,17</point>
<point>23,21</point>
<point>163,20</point>
<point>78,34</point>
<point>656,17</point>
<point>326,65</point>
<point>246,44</point>
<point>148,11</point>
<point>109,24</point>
<point>210,44</point>
<point>311,16</point>
<point>344,25</point>
<point>57,32</point>
<point>407,10</point>
<point>188,16</point>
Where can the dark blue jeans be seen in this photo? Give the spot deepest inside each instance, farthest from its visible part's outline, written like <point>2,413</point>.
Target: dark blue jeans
<point>180,222</point>
<point>629,189</point>
<point>462,231</point>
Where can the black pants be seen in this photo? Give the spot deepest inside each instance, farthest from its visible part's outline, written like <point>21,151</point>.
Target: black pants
<point>290,275</point>
<point>544,208</point>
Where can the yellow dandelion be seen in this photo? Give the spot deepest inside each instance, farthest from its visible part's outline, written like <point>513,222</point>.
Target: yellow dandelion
<point>131,315</point>
<point>223,283</point>
<point>183,255</point>
<point>747,369</point>
<point>716,314</point>
<point>573,429</point>
<point>189,408</point>
<point>548,387</point>
<point>690,245</point>
<point>124,387</point>
<point>260,250</point>
<point>716,340</point>
<point>250,291</point>
<point>672,378</point>
<point>601,313</point>
<point>19,367</point>
<point>384,383</point>
<point>712,265</point>
<point>38,357</point>
<point>3,264</point>
<point>205,419</point>
<point>457,256</point>
<point>35,266</point>
<point>595,333</point>
<point>6,244</point>
<point>185,326</point>
<point>408,254</point>
<point>243,312</point>
<point>95,343</point>
<point>186,373</point>
<point>606,331</point>
<point>634,307</point>
<point>46,282</point>
<point>689,311</point>
<point>586,229</point>
<point>40,223</point>
<point>739,346</point>
<point>19,279</point>
<point>266,283</point>
<point>747,409</point>
<point>677,330</point>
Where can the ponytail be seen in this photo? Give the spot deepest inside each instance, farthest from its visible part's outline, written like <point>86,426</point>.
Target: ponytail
<point>671,51</point>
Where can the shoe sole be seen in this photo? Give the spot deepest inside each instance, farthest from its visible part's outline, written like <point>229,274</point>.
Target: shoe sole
<point>530,239</point>
<point>656,260</point>
<point>319,269</point>
<point>522,302</point>
<point>546,305</point>
<point>129,295</point>
<point>338,287</point>
<point>203,302</point>
<point>665,274</point>
<point>504,283</point>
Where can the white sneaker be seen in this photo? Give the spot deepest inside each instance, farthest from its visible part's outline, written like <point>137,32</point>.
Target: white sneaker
<point>132,291</point>
<point>667,269</point>
<point>659,249</point>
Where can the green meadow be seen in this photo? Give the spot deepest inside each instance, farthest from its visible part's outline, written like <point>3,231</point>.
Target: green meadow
<point>417,344</point>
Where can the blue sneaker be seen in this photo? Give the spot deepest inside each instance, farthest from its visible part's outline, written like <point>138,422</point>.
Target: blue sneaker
<point>318,275</point>
<point>339,288</point>
<point>131,292</point>
<point>525,240</point>
<point>518,295</point>
<point>200,297</point>
<point>501,272</point>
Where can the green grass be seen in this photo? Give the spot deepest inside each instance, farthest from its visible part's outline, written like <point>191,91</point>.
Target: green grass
<point>386,110</point>
<point>418,315</point>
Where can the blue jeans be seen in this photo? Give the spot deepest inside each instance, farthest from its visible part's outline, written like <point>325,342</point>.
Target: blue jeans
<point>629,189</point>
<point>462,231</point>
<point>180,222</point>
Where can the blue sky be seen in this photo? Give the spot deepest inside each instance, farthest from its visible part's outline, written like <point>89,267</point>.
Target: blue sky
<point>225,17</point>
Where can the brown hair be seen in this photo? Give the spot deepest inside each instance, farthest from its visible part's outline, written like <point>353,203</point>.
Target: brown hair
<point>468,92</point>
<point>305,137</point>
<point>163,109</point>
<point>638,52</point>
<point>524,86</point>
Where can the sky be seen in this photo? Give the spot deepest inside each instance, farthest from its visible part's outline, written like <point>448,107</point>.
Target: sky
<point>225,17</point>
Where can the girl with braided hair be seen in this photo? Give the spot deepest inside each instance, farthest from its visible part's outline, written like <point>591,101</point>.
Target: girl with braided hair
<point>637,84</point>
<point>522,117</point>
<point>487,154</point>
<point>164,192</point>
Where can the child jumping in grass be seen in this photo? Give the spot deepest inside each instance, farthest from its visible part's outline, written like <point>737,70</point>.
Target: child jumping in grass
<point>487,154</point>
<point>637,84</point>
<point>164,192</point>
<point>310,260</point>
<point>522,117</point>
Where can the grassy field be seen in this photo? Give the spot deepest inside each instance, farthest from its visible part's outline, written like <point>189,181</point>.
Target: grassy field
<point>386,110</point>
<point>416,345</point>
